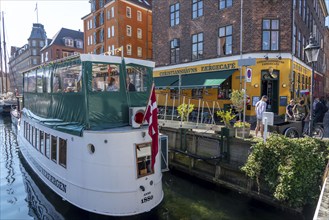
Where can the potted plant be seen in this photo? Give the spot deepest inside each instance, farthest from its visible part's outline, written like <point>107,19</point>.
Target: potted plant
<point>242,129</point>
<point>226,117</point>
<point>184,110</point>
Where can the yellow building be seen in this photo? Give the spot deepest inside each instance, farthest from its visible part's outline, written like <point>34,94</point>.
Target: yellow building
<point>213,80</point>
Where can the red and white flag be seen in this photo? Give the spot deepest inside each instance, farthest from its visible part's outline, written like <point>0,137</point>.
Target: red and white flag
<point>151,116</point>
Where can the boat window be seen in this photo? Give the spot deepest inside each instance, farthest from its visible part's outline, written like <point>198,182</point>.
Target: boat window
<point>143,153</point>
<point>46,80</point>
<point>36,138</point>
<point>31,81</point>
<point>25,129</point>
<point>47,145</point>
<point>62,152</point>
<point>41,142</point>
<point>31,135</point>
<point>105,77</point>
<point>54,148</point>
<point>136,79</point>
<point>67,78</point>
<point>40,80</point>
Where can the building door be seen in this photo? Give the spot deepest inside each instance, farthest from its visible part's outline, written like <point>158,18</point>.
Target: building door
<point>270,87</point>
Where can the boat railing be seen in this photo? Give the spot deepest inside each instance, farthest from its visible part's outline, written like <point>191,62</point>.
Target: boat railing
<point>201,117</point>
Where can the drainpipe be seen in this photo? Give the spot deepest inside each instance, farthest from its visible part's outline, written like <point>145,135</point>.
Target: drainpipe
<point>241,32</point>
<point>293,44</point>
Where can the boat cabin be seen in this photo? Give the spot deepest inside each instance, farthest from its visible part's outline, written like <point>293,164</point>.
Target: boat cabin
<point>87,91</point>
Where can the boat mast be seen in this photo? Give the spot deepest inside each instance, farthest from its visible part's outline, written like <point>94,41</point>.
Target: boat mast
<point>2,81</point>
<point>4,50</point>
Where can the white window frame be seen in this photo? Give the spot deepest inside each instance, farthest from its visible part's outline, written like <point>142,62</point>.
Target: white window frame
<point>41,43</point>
<point>128,12</point>
<point>112,12</point>
<point>79,44</point>
<point>112,30</point>
<point>90,24</point>
<point>139,16</point>
<point>129,30</point>
<point>139,51</point>
<point>129,49</point>
<point>69,42</point>
<point>34,43</point>
<point>46,57</point>
<point>34,52</point>
<point>42,58</point>
<point>91,39</point>
<point>139,33</point>
<point>108,14</point>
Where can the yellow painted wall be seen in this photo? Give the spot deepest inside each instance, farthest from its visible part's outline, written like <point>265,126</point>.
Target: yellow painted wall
<point>253,88</point>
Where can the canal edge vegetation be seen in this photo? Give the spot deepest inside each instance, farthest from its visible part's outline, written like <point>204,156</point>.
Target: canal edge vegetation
<point>290,170</point>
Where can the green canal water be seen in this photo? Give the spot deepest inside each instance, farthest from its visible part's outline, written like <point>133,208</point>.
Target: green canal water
<point>24,196</point>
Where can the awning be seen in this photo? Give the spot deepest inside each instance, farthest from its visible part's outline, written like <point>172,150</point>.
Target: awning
<point>166,81</point>
<point>194,80</point>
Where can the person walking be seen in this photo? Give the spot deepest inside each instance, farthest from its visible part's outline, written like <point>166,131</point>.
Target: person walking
<point>289,113</point>
<point>260,108</point>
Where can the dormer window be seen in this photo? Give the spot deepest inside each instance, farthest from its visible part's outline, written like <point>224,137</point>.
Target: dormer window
<point>68,42</point>
<point>79,43</point>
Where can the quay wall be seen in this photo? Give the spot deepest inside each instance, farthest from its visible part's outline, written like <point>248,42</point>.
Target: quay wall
<point>215,158</point>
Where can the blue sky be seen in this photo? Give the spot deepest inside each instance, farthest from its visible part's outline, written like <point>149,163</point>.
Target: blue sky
<point>19,17</point>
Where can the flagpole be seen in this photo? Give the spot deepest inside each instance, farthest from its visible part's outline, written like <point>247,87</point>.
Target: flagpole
<point>148,102</point>
<point>36,9</point>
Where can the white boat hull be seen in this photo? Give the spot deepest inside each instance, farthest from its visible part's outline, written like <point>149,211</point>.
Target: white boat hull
<point>104,182</point>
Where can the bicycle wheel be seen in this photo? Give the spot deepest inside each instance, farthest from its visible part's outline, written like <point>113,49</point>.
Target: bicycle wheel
<point>291,132</point>
<point>318,132</point>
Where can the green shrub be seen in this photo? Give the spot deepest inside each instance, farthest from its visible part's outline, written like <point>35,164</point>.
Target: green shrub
<point>291,168</point>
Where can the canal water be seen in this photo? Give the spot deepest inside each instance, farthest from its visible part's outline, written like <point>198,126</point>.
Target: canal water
<point>24,196</point>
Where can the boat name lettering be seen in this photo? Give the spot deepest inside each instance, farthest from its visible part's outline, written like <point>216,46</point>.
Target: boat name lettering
<point>146,199</point>
<point>52,179</point>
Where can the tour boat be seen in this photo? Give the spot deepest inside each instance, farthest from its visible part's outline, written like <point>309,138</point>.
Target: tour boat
<point>88,143</point>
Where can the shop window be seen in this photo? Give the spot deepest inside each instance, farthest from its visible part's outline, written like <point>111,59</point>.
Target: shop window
<point>197,93</point>
<point>174,93</point>
<point>144,155</point>
<point>62,152</point>
<point>105,77</point>
<point>225,89</point>
<point>136,78</point>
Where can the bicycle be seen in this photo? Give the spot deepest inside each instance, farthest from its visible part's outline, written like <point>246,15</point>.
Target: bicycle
<point>317,131</point>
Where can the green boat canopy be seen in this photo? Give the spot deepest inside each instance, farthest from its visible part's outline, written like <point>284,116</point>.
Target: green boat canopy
<point>194,80</point>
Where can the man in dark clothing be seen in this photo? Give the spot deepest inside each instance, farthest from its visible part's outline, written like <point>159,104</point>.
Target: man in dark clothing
<point>289,113</point>
<point>319,110</point>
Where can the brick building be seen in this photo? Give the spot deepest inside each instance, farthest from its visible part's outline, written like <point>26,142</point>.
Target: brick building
<point>198,43</point>
<point>115,23</point>
<point>65,43</point>
<point>25,57</point>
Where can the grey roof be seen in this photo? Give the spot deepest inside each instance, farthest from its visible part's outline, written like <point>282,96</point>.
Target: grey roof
<point>143,3</point>
<point>38,32</point>
<point>64,32</point>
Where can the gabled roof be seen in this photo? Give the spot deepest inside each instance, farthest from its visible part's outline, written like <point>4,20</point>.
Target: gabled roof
<point>62,33</point>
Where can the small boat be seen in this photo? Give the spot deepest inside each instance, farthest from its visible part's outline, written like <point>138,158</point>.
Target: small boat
<point>15,112</point>
<point>87,143</point>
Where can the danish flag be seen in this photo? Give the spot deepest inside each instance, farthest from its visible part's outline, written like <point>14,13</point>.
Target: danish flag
<point>151,116</point>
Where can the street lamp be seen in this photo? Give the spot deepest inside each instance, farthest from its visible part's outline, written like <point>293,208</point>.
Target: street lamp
<point>312,52</point>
